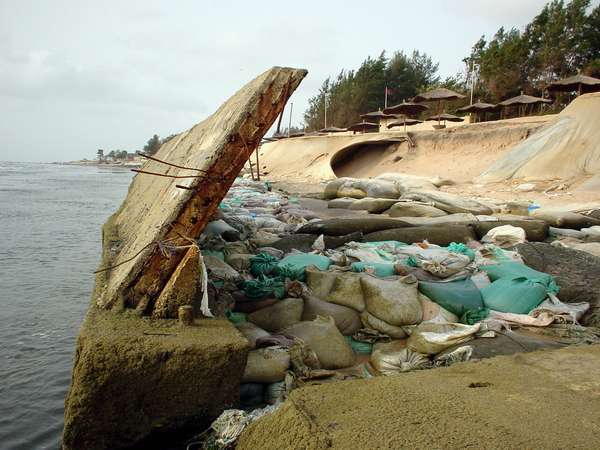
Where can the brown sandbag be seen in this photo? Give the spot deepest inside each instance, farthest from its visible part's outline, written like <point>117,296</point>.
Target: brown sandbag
<point>341,288</point>
<point>281,315</point>
<point>535,230</point>
<point>372,322</point>
<point>341,227</point>
<point>266,365</point>
<point>239,261</point>
<point>565,219</point>
<point>303,242</point>
<point>373,205</point>
<point>439,235</point>
<point>395,301</point>
<point>322,336</point>
<point>251,332</point>
<point>346,319</point>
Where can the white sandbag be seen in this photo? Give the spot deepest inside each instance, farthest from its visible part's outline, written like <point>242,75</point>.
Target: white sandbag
<point>372,322</point>
<point>278,316</point>
<point>392,358</point>
<point>322,336</point>
<point>505,236</point>
<point>346,319</point>
<point>432,338</point>
<point>251,332</point>
<point>395,301</point>
<point>266,365</point>
<point>443,264</point>
<point>432,312</point>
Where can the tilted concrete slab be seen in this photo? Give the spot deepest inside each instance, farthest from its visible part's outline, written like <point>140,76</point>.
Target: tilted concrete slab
<point>157,212</point>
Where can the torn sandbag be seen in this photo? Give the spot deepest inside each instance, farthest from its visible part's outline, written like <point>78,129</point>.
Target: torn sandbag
<point>161,214</point>
<point>393,358</point>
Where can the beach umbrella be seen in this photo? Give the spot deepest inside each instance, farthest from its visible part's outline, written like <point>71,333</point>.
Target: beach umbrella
<point>377,115</point>
<point>406,109</point>
<point>579,83</point>
<point>523,100</point>
<point>404,121</point>
<point>363,126</point>
<point>446,118</point>
<point>478,108</point>
<point>332,130</point>
<point>437,95</point>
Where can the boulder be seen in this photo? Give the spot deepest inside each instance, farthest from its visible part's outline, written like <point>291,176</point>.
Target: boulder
<point>439,235</point>
<point>281,315</point>
<point>450,203</point>
<point>331,189</point>
<point>340,203</point>
<point>349,190</point>
<point>372,205</point>
<point>346,319</point>
<point>406,183</point>
<point>576,272</point>
<point>413,209</point>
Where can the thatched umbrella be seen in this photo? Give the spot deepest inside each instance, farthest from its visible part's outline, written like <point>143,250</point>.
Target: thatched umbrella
<point>406,109</point>
<point>363,126</point>
<point>478,108</point>
<point>376,115</point>
<point>579,83</point>
<point>404,121</point>
<point>332,130</point>
<point>437,95</point>
<point>523,100</point>
<point>446,118</point>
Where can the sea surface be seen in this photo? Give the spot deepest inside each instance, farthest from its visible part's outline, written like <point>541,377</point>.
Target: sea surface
<point>50,241</point>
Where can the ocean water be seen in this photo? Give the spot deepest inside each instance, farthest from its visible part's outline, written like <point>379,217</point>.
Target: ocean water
<point>50,242</point>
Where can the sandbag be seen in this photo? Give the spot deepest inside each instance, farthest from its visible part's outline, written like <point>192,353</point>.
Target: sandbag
<point>263,239</point>
<point>432,338</point>
<point>278,316</point>
<point>251,332</point>
<point>344,226</point>
<point>564,219</point>
<point>513,295</point>
<point>454,296</point>
<point>372,205</point>
<point>266,365</point>
<point>393,358</point>
<point>320,282</point>
<point>439,235</point>
<point>513,270</point>
<point>340,203</point>
<point>275,392</point>
<point>395,301</point>
<point>378,269</point>
<point>372,322</point>
<point>505,236</point>
<point>240,262</point>
<point>220,269</point>
<point>412,209</point>
<point>349,189</point>
<point>378,188</point>
<point>450,203</point>
<point>322,336</point>
<point>331,189</point>
<point>222,229</point>
<point>443,264</point>
<point>432,312</point>
<point>297,263</point>
<point>251,394</point>
<point>535,230</point>
<point>346,319</point>
<point>455,218</point>
<point>263,264</point>
<point>304,242</point>
<point>347,291</point>
<point>249,305</point>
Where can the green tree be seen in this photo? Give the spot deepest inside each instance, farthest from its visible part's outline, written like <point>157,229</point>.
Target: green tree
<point>100,154</point>
<point>152,145</point>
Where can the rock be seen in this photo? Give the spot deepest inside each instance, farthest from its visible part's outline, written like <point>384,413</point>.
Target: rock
<point>413,209</point>
<point>450,203</point>
<point>439,235</point>
<point>304,242</point>
<point>340,227</point>
<point>331,189</point>
<point>526,187</point>
<point>341,203</point>
<point>372,205</point>
<point>564,219</point>
<point>576,272</point>
<point>352,192</point>
<point>132,377</point>
<point>438,181</point>
<point>281,315</point>
<point>406,183</point>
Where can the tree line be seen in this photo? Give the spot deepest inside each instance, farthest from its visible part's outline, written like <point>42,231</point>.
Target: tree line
<point>562,40</point>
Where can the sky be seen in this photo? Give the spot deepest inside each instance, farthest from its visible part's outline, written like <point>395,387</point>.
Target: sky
<point>79,75</point>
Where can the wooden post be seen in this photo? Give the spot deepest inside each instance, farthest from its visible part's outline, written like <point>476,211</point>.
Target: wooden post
<point>186,315</point>
<point>257,166</point>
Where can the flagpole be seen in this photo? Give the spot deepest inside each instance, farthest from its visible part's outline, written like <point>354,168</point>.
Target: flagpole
<point>386,92</point>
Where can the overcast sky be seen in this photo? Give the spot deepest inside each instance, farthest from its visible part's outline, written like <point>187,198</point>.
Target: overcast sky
<point>80,75</point>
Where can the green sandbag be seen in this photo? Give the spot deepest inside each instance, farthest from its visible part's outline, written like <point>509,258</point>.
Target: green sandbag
<point>296,264</point>
<point>381,269</point>
<point>214,253</point>
<point>262,264</point>
<point>264,287</point>
<point>459,247</point>
<point>511,270</point>
<point>473,316</point>
<point>363,348</point>
<point>455,296</point>
<point>517,295</point>
<point>236,317</point>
